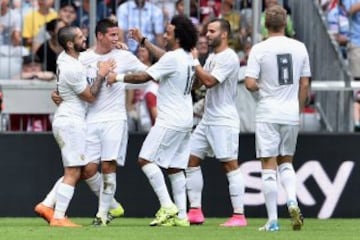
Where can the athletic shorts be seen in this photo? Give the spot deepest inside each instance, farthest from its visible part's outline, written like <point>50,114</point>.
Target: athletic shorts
<point>274,139</point>
<point>106,141</point>
<point>219,141</point>
<point>166,147</point>
<point>70,136</point>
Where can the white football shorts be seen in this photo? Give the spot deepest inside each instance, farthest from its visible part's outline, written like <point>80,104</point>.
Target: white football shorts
<point>70,136</point>
<point>218,140</point>
<point>106,141</point>
<point>166,147</point>
<point>274,139</point>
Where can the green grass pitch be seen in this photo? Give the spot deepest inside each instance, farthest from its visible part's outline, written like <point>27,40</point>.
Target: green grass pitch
<point>137,228</point>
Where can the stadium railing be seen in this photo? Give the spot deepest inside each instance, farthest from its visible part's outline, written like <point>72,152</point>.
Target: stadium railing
<point>326,65</point>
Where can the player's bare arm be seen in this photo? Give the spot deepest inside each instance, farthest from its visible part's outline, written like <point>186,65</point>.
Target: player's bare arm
<point>104,68</point>
<point>251,84</point>
<point>197,84</point>
<point>156,51</point>
<point>55,97</point>
<point>204,77</point>
<point>303,92</point>
<point>201,74</point>
<point>139,77</point>
<point>90,93</point>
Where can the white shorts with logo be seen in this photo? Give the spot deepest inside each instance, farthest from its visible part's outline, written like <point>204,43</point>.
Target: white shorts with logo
<point>70,136</point>
<point>274,139</point>
<point>221,141</point>
<point>107,141</point>
<point>166,147</point>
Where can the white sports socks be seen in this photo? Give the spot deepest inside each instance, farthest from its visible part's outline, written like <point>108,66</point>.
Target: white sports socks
<point>157,181</point>
<point>194,186</point>
<point>94,183</point>
<point>178,183</point>
<point>236,190</point>
<point>64,195</point>
<point>270,191</point>
<point>288,180</point>
<point>107,192</point>
<point>50,199</point>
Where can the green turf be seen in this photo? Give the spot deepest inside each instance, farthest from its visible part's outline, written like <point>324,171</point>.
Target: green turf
<point>137,228</point>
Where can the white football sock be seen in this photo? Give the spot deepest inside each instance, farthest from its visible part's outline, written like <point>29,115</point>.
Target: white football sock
<point>288,180</point>
<point>269,187</point>
<point>236,190</point>
<point>157,181</point>
<point>107,192</point>
<point>50,198</point>
<point>94,183</point>
<point>64,195</point>
<point>194,186</point>
<point>178,183</point>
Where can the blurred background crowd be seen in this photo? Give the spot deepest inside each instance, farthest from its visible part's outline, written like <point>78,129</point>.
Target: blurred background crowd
<point>29,47</point>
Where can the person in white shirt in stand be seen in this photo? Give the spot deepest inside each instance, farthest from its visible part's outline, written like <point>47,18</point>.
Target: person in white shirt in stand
<point>279,69</point>
<point>167,144</point>
<point>69,126</point>
<point>218,131</point>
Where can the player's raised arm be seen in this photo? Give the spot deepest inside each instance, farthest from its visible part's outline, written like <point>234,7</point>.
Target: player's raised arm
<point>156,51</point>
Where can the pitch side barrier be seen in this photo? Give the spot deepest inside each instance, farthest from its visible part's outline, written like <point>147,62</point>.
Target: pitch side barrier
<point>327,169</point>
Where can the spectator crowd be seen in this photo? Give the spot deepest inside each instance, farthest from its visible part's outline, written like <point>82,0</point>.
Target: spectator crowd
<point>28,34</point>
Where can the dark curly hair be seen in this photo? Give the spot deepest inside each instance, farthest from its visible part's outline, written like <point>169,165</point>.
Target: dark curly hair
<point>185,31</point>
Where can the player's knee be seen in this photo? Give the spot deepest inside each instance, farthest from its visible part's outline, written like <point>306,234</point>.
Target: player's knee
<point>108,167</point>
<point>173,170</point>
<point>72,175</point>
<point>194,161</point>
<point>229,166</point>
<point>142,162</point>
<point>89,170</point>
<point>284,159</point>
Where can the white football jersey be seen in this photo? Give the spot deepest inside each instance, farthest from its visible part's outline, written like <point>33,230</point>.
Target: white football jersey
<point>278,63</point>
<point>220,106</point>
<point>71,81</point>
<point>175,73</point>
<point>110,102</point>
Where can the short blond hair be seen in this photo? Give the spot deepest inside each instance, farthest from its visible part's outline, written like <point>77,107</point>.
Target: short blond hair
<point>275,18</point>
